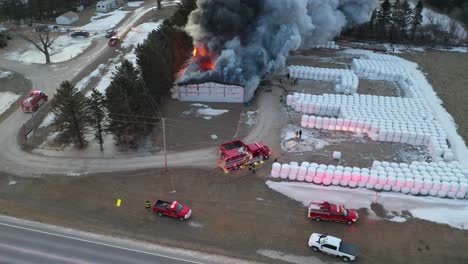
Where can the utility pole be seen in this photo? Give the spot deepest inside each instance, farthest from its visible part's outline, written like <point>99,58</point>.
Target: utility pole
<point>165,154</point>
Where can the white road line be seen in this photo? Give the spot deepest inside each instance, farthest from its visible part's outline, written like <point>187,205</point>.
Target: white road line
<point>99,243</point>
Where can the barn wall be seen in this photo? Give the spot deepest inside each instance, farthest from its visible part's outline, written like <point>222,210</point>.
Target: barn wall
<point>209,92</point>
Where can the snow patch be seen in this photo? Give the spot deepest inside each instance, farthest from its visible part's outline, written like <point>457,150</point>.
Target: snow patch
<point>5,74</point>
<point>106,79</point>
<point>135,3</point>
<point>64,48</point>
<point>195,224</point>
<point>12,183</point>
<point>213,136</point>
<point>439,210</point>
<point>205,111</point>
<point>307,142</point>
<point>83,83</point>
<point>138,34</point>
<point>6,100</point>
<point>273,254</point>
<point>250,118</point>
<point>104,21</point>
<point>48,120</point>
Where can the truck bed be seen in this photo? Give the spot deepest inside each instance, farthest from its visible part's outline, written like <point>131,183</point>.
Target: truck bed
<point>162,204</point>
<point>348,248</point>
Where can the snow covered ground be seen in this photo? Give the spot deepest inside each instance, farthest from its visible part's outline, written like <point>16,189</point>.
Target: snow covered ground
<point>103,21</point>
<point>47,120</point>
<point>83,83</point>
<point>204,111</point>
<point>106,79</point>
<point>307,142</point>
<point>138,34</point>
<point>64,48</point>
<point>451,212</point>
<point>5,74</point>
<point>135,3</point>
<point>6,100</point>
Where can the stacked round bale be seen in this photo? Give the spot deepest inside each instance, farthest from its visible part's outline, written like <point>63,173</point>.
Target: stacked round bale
<point>416,178</point>
<point>380,69</point>
<point>327,45</point>
<point>346,81</point>
<point>387,119</point>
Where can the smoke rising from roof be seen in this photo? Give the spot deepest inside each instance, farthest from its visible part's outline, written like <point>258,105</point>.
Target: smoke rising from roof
<point>250,39</point>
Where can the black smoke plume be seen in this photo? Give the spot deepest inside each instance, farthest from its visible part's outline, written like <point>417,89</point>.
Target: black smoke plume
<point>247,40</point>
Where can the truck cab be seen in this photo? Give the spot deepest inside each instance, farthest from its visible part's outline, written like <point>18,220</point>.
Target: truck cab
<point>32,102</point>
<point>333,246</point>
<point>331,212</point>
<point>173,209</point>
<point>236,154</point>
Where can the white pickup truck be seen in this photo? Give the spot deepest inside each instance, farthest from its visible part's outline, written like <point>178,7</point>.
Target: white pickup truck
<point>333,246</point>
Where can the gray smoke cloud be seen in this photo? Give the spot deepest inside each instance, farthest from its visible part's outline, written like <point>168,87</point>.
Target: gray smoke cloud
<point>250,39</point>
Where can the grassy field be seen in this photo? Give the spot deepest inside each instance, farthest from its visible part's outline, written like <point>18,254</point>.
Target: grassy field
<point>447,72</point>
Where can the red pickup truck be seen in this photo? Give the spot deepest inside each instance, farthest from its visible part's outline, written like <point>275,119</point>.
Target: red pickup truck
<point>174,209</point>
<point>331,212</point>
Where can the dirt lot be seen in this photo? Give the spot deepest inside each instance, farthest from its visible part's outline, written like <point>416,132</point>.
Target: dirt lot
<point>447,72</point>
<point>234,215</point>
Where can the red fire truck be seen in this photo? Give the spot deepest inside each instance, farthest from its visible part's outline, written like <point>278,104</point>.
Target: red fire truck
<point>236,154</point>
<point>331,212</point>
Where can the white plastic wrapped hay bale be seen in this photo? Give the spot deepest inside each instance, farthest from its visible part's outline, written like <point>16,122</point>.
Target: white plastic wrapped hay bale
<point>326,181</point>
<point>344,183</point>
<point>284,171</point>
<point>445,186</point>
<point>335,182</point>
<point>356,176</point>
<point>353,184</point>
<point>418,183</point>
<point>427,184</point>
<point>424,191</point>
<point>436,185</point>
<point>311,171</point>
<point>396,188</point>
<point>275,170</point>
<point>302,173</point>
<point>441,194</point>
<point>405,190</point>
<point>289,99</point>
<point>415,191</point>
<point>311,123</point>
<point>304,121</point>
<point>336,155</point>
<point>409,183</point>
<point>318,180</point>
<point>338,174</point>
<point>378,187</point>
<point>318,122</point>
<point>401,182</point>
<point>347,175</point>
<point>320,173</point>
<point>387,188</point>
<point>433,192</point>
<point>376,164</point>
<point>373,179</point>
<point>454,186</point>
<point>382,180</point>
<point>293,170</point>
<point>451,195</point>
<point>364,177</point>
<point>298,106</point>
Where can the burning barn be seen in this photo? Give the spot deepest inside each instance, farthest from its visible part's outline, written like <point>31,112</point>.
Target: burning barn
<point>240,42</point>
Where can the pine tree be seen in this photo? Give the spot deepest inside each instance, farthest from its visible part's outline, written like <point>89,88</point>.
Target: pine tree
<point>384,18</point>
<point>128,104</point>
<point>71,109</point>
<point>405,20</point>
<point>395,23</point>
<point>416,19</point>
<point>98,115</point>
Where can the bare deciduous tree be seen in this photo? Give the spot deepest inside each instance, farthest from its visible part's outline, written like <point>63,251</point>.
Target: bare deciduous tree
<point>42,39</point>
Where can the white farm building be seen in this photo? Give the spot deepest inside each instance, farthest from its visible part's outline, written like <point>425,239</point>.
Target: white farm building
<point>67,18</point>
<point>209,92</point>
<point>108,5</point>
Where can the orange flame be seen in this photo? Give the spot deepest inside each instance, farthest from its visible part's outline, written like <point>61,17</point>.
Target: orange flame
<point>195,51</point>
<point>203,58</point>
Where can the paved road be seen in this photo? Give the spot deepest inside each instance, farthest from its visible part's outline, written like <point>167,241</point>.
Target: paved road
<point>26,242</point>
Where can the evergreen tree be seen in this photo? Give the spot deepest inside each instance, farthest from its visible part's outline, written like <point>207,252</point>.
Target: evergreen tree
<point>96,104</point>
<point>416,19</point>
<point>396,18</point>
<point>128,104</point>
<point>384,18</point>
<point>71,109</point>
<point>406,18</point>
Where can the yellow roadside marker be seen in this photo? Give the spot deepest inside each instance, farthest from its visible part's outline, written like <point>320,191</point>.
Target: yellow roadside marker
<point>119,201</point>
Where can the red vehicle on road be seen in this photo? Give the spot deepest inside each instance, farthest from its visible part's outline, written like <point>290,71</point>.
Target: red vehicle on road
<point>32,102</point>
<point>174,209</point>
<point>331,212</point>
<point>113,41</point>
<point>236,154</point>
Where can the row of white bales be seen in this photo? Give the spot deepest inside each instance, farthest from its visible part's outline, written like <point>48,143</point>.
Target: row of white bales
<point>392,119</point>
